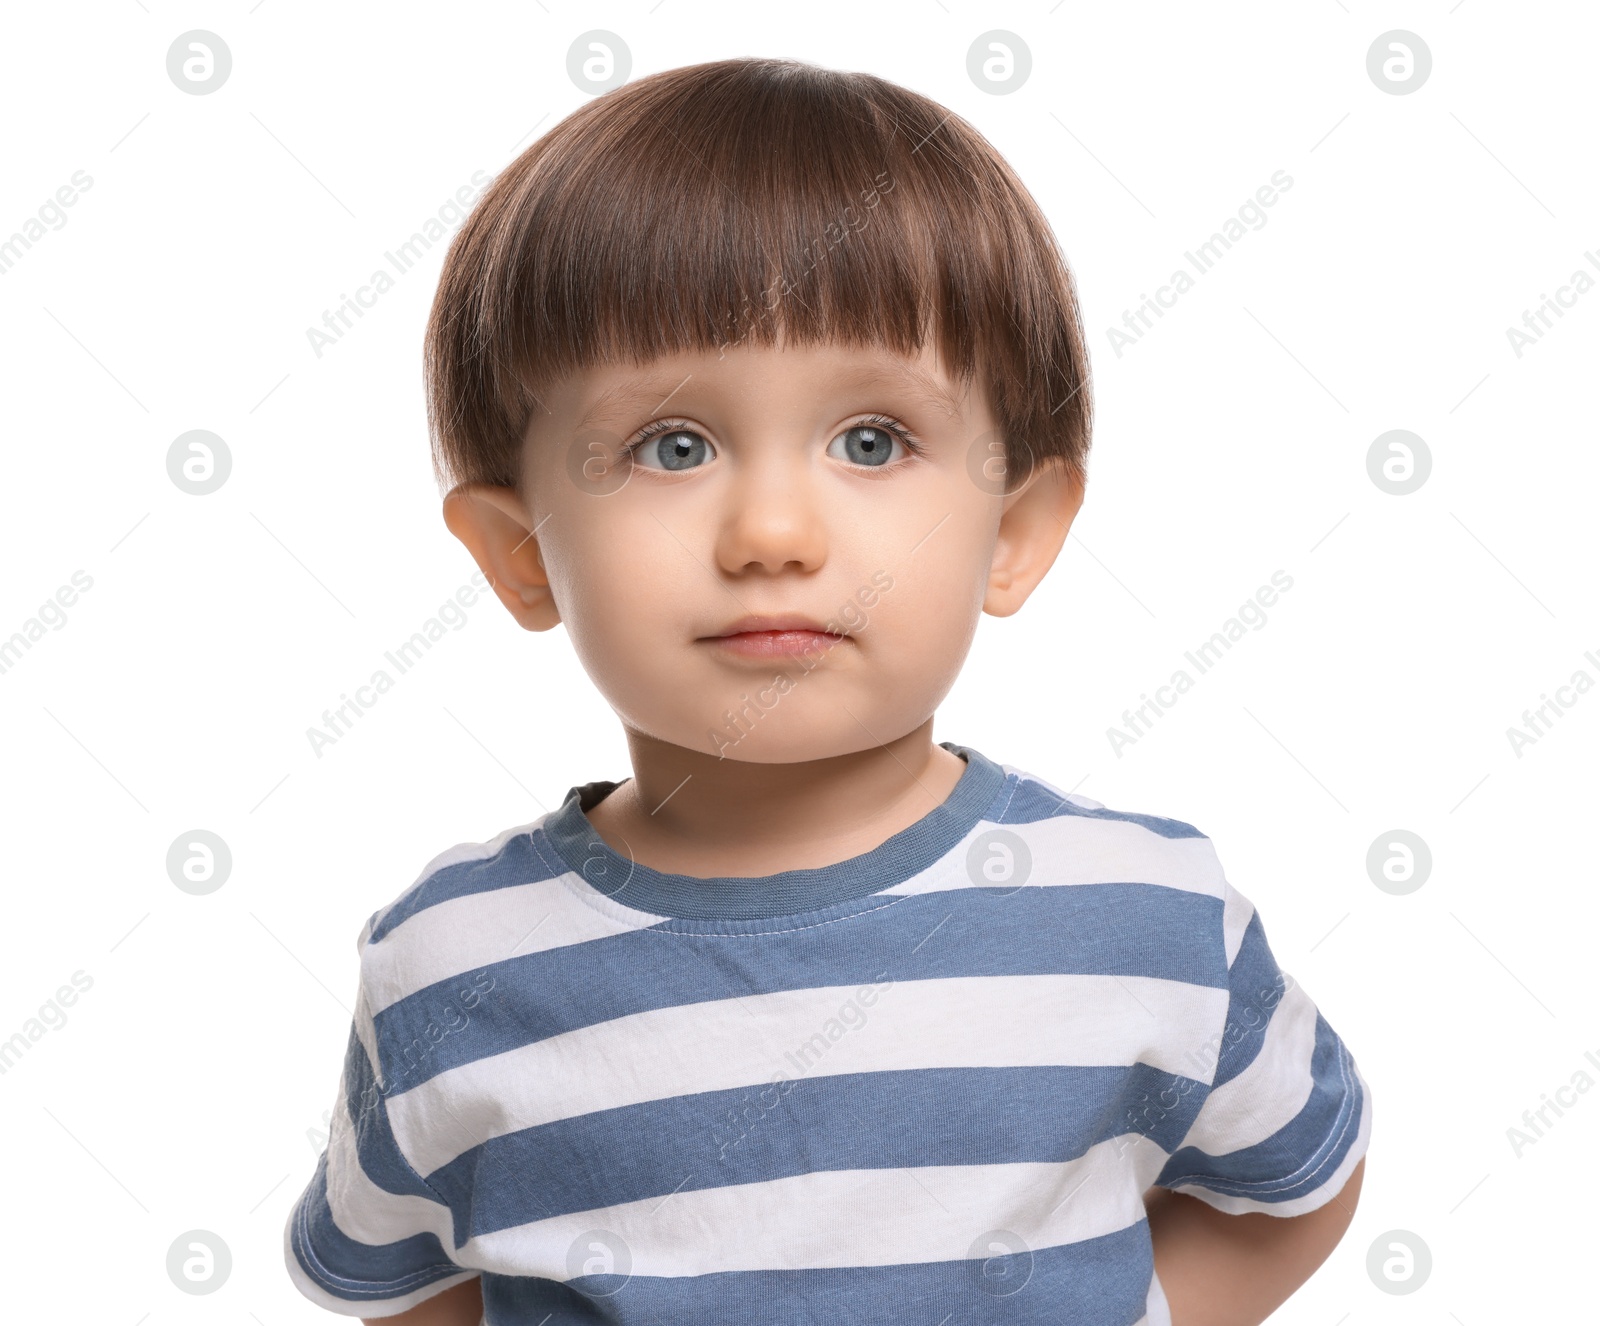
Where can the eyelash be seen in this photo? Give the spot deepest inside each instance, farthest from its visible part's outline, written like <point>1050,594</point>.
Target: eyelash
<point>895,427</point>
<point>653,430</point>
<point>901,433</point>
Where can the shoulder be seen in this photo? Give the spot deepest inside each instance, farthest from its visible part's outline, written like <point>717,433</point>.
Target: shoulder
<point>467,868</point>
<point>1154,882</point>
<point>1133,846</point>
<point>454,914</point>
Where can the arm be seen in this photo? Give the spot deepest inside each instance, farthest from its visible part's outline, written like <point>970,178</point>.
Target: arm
<point>1234,1270</point>
<point>458,1306</point>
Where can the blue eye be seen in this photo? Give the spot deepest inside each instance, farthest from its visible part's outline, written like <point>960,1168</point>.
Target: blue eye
<point>674,448</point>
<point>866,444</point>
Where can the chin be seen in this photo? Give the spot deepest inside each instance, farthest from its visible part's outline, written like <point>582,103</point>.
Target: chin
<point>829,733</point>
<point>769,722</point>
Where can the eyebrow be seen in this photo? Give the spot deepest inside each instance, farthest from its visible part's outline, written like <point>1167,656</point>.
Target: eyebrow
<point>922,386</point>
<point>627,396</point>
<point>656,390</point>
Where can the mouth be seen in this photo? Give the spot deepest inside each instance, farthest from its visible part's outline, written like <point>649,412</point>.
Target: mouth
<point>774,637</point>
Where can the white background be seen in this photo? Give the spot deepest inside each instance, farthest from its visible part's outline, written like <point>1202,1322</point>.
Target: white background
<point>1231,442</point>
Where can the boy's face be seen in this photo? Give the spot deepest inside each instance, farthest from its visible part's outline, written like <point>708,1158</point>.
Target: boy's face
<point>777,496</point>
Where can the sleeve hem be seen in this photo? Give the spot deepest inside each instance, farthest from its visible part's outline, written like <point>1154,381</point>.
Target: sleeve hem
<point>360,1298</point>
<point>1325,1192</point>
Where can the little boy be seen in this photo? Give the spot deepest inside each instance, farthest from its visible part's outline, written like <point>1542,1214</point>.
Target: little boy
<point>765,381</point>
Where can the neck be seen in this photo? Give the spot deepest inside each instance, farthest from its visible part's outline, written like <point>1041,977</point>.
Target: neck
<point>690,813</point>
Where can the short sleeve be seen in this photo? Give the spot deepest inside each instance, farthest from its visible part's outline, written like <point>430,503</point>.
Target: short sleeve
<point>368,1236</point>
<point>1287,1115</point>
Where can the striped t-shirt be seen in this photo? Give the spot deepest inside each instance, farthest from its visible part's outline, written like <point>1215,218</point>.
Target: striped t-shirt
<point>929,1084</point>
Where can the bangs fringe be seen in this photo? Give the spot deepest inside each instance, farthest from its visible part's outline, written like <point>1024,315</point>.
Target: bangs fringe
<point>754,201</point>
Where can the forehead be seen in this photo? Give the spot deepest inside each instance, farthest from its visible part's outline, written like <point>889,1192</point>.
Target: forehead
<point>607,393</point>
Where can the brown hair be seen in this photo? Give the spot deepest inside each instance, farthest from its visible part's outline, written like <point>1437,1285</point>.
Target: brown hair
<point>732,200</point>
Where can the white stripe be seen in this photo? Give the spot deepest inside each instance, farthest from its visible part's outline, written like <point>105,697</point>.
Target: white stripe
<point>1236,913</point>
<point>1271,1092</point>
<point>1158,1312</point>
<point>452,856</point>
<point>1076,798</point>
<point>363,1210</point>
<point>974,1021</point>
<point>1318,1197</point>
<point>1071,850</point>
<point>466,934</point>
<point>369,1214</point>
<point>362,1023</point>
<point>835,1218</point>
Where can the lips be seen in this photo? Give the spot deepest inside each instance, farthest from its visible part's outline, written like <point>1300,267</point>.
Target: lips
<point>774,636</point>
<point>786,622</point>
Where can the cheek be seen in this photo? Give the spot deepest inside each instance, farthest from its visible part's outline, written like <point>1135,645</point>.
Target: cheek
<point>604,595</point>
<point>920,630</point>
<point>627,602</point>
<point>938,589</point>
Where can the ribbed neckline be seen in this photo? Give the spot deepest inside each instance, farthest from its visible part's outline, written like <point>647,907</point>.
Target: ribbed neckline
<point>788,893</point>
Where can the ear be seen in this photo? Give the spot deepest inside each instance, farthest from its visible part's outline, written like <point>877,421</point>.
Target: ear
<point>1033,526</point>
<point>494,525</point>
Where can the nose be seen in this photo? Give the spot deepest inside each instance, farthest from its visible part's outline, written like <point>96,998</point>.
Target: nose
<point>773,520</point>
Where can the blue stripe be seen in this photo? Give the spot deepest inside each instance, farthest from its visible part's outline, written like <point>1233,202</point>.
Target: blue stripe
<point>1089,929</point>
<point>357,1271</point>
<point>884,1120</point>
<point>515,863</point>
<point>1033,801</point>
<point>1256,987</point>
<point>1095,1282</point>
<point>1299,1157</point>
<point>376,1146</point>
